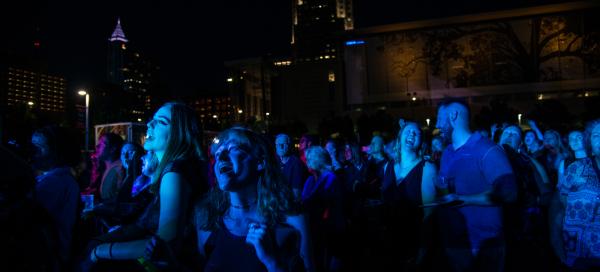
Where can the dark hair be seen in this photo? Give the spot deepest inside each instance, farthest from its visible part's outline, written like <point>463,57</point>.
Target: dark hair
<point>448,100</point>
<point>62,144</point>
<point>115,141</point>
<point>275,198</point>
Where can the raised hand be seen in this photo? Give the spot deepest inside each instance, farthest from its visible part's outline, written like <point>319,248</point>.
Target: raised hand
<point>263,243</point>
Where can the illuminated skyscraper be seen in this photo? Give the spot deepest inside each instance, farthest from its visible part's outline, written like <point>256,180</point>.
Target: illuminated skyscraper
<point>314,23</point>
<point>116,55</point>
<point>132,72</point>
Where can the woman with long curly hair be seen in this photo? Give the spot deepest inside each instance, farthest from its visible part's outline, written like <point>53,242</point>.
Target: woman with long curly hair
<point>251,204</point>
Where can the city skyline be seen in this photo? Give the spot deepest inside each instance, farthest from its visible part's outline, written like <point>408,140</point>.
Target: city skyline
<point>185,40</point>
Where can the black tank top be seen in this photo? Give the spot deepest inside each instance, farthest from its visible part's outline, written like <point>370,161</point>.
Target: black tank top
<point>408,192</point>
<point>402,213</point>
<point>229,252</point>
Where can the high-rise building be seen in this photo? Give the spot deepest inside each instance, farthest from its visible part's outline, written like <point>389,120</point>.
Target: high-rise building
<point>314,25</point>
<point>132,72</point>
<point>116,55</point>
<point>249,84</point>
<point>25,87</point>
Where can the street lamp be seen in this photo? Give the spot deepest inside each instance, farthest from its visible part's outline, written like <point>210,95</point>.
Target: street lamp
<point>87,118</point>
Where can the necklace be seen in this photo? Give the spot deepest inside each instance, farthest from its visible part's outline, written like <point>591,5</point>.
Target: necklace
<point>244,206</point>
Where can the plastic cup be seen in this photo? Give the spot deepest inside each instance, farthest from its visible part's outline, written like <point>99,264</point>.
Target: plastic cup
<point>88,202</point>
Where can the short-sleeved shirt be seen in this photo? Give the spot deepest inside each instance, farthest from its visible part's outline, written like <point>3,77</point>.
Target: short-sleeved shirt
<point>476,167</point>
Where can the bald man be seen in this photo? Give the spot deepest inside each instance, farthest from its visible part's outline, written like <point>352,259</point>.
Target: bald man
<point>478,178</point>
<point>292,167</point>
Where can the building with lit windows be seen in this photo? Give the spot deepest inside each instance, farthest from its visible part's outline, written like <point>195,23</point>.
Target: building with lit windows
<point>35,90</point>
<point>249,85</point>
<point>315,24</point>
<point>214,109</point>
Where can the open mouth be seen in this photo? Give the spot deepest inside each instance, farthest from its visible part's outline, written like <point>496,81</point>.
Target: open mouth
<point>225,168</point>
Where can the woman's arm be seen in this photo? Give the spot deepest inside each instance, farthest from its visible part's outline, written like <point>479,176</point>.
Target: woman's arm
<point>306,251</point>
<point>537,131</point>
<point>172,203</point>
<point>428,186</point>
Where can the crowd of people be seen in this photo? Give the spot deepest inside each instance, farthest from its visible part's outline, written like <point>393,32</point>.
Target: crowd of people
<point>460,200</point>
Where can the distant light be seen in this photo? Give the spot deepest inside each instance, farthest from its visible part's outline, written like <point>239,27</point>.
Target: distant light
<point>215,116</point>
<point>240,111</point>
<point>586,94</point>
<point>30,103</point>
<point>519,117</point>
<point>331,76</point>
<point>414,99</point>
<point>427,121</point>
<point>540,97</point>
<point>229,79</point>
<point>215,140</point>
<point>82,92</point>
<point>267,114</point>
<point>354,42</point>
<point>139,119</point>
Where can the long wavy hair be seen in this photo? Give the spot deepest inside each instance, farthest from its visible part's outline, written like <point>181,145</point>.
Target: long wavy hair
<point>185,140</point>
<point>275,198</point>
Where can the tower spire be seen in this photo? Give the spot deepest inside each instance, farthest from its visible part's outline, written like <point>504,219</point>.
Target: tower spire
<point>118,34</point>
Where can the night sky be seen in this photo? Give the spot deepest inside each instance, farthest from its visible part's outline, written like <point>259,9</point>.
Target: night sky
<point>189,40</point>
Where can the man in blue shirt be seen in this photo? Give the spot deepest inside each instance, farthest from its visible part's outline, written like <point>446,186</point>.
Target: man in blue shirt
<point>292,167</point>
<point>479,179</point>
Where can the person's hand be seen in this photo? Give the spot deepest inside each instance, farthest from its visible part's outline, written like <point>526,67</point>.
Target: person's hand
<point>159,254</point>
<point>87,214</point>
<point>93,256</point>
<point>152,247</point>
<point>531,123</point>
<point>263,243</point>
<point>451,200</point>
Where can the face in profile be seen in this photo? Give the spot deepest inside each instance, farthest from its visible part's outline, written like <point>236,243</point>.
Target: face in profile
<point>595,140</point>
<point>41,151</point>
<point>437,145</point>
<point>235,166</point>
<point>550,139</point>
<point>443,124</point>
<point>348,153</point>
<point>127,154</point>
<point>157,135</point>
<point>147,164</point>
<point>304,144</point>
<point>376,145</point>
